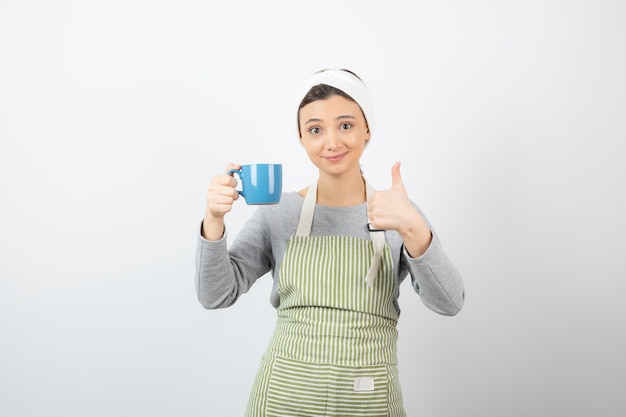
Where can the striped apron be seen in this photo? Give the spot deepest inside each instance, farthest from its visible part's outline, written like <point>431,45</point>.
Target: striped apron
<point>333,352</point>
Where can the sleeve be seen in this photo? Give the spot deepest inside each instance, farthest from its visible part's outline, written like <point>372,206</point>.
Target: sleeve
<point>435,277</point>
<point>223,274</point>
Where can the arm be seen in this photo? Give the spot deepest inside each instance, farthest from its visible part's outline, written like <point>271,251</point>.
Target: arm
<point>223,274</point>
<point>436,279</point>
<point>220,198</point>
<point>433,275</point>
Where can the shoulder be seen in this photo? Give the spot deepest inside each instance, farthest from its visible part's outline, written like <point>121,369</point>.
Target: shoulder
<point>289,201</point>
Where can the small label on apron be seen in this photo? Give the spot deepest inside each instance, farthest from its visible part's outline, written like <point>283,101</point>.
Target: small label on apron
<point>363,383</point>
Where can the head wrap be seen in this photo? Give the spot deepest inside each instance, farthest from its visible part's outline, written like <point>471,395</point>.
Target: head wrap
<point>346,82</point>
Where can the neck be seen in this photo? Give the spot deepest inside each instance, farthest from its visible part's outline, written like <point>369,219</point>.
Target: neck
<point>341,191</point>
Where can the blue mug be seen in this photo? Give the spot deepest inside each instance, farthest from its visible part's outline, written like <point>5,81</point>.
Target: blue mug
<point>260,183</point>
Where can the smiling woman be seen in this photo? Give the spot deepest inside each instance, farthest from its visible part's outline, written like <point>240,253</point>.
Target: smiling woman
<point>334,134</point>
<point>338,252</point>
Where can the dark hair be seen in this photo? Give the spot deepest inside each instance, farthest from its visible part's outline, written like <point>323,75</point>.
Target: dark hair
<point>322,92</point>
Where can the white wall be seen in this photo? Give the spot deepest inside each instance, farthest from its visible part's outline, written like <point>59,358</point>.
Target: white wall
<point>508,116</point>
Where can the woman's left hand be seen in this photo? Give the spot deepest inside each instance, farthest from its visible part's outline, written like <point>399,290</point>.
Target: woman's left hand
<point>392,210</point>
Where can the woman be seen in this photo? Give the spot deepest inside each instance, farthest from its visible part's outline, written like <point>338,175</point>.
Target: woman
<point>338,252</point>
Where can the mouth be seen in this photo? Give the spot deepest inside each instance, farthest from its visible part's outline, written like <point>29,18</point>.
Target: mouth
<point>335,158</point>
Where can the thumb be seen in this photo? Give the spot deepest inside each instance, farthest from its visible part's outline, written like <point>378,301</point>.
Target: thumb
<point>396,178</point>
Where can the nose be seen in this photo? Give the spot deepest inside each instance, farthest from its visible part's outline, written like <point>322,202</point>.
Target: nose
<point>332,141</point>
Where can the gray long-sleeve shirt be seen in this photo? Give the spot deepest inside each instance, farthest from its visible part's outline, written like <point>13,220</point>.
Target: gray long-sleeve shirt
<point>223,274</point>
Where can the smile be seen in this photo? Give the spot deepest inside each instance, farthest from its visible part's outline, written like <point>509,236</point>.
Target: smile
<point>335,158</point>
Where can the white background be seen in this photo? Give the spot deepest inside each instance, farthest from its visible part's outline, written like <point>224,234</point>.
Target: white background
<point>509,118</point>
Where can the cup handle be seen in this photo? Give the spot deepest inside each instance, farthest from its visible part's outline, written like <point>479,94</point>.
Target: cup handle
<point>231,172</point>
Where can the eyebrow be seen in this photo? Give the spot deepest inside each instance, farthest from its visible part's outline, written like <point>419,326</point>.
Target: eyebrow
<point>345,116</point>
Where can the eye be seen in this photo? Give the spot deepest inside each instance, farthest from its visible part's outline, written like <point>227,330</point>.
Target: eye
<point>346,126</point>
<point>314,130</point>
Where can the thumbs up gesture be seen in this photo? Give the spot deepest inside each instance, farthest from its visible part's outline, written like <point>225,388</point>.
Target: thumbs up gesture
<point>392,210</point>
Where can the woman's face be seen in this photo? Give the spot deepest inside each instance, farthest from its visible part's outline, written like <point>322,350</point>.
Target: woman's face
<point>334,133</point>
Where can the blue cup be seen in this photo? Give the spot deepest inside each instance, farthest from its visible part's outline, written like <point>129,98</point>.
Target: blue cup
<point>260,183</point>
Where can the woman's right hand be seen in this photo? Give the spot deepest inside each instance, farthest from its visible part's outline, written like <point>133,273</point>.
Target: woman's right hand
<point>220,198</point>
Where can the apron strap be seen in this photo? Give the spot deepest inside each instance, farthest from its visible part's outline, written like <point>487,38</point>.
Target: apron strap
<point>308,208</point>
<point>377,236</point>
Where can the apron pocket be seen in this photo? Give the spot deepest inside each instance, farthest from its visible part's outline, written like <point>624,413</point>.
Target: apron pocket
<point>299,389</point>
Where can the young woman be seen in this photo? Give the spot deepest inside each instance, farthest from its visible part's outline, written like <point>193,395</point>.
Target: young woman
<point>338,252</point>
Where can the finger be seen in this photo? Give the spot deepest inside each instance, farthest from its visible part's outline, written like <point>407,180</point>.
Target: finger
<point>220,210</point>
<point>222,181</point>
<point>220,203</point>
<point>396,178</point>
<point>225,199</point>
<point>232,166</point>
<point>227,188</point>
<point>228,181</point>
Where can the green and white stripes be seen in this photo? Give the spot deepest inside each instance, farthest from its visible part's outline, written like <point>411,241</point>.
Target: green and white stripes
<point>301,388</point>
<point>328,271</point>
<point>333,352</point>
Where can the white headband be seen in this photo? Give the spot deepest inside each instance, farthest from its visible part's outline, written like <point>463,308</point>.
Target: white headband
<point>346,82</point>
